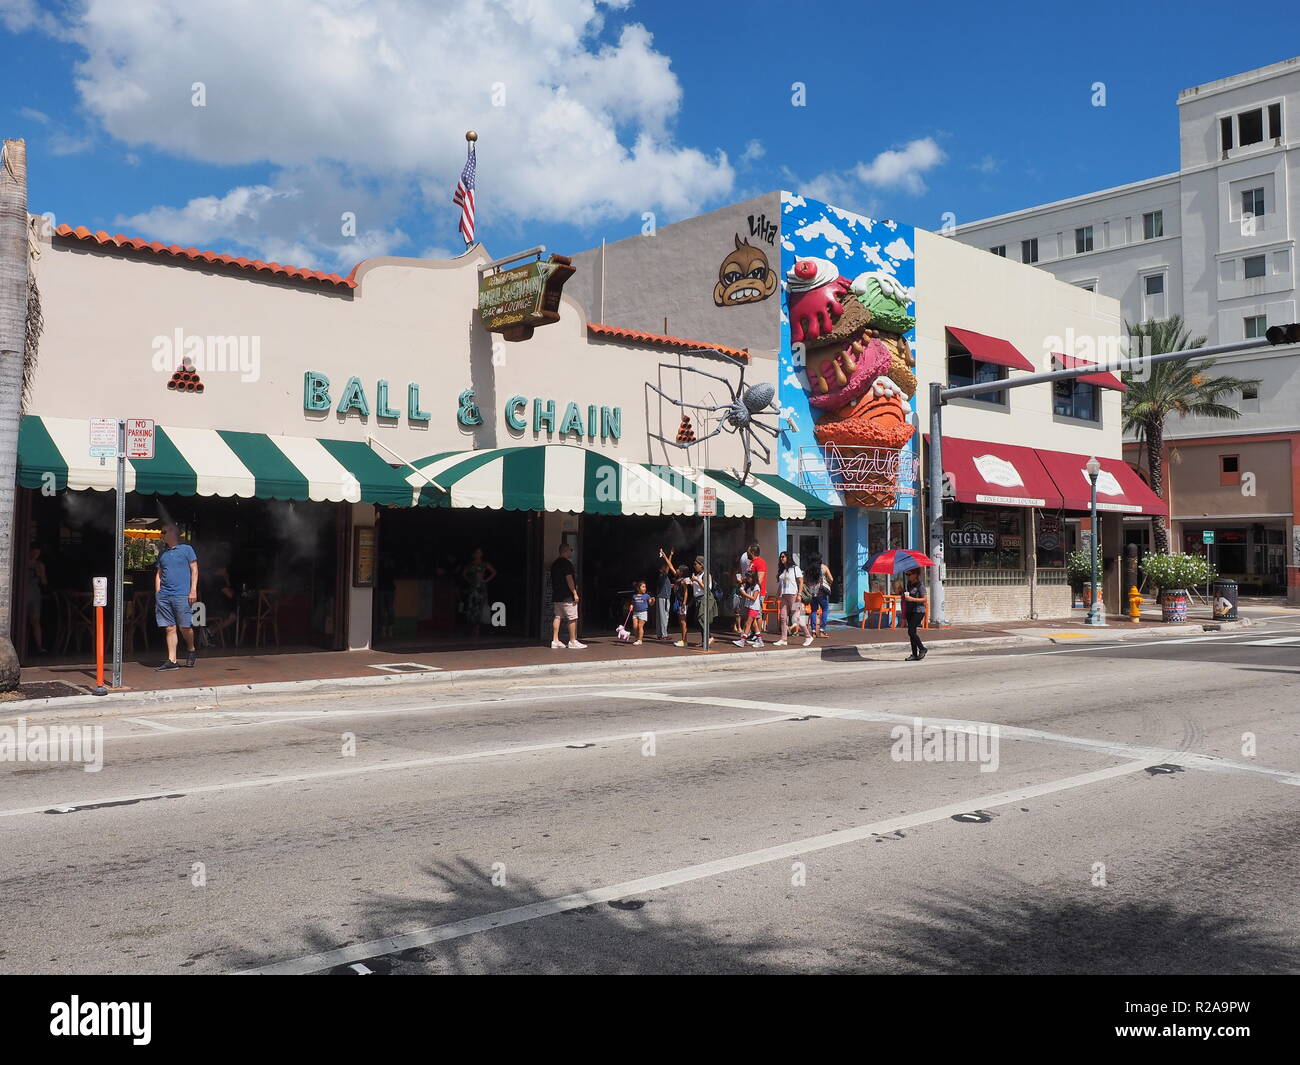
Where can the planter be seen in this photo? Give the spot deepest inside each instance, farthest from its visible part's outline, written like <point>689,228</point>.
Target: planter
<point>1173,604</point>
<point>1087,594</point>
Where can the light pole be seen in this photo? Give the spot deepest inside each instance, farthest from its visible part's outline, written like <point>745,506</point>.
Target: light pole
<point>1095,614</point>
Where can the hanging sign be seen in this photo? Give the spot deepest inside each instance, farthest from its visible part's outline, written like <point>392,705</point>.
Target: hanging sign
<point>513,302</point>
<point>139,438</point>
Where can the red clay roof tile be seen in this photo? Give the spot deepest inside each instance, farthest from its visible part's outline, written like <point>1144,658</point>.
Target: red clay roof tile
<point>121,241</point>
<point>659,339</point>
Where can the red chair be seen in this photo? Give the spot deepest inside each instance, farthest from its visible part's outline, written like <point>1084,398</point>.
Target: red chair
<point>875,603</point>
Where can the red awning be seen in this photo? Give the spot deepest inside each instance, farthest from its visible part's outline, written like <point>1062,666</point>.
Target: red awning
<point>1119,488</point>
<point>990,349</point>
<point>999,474</point>
<point>1101,380</point>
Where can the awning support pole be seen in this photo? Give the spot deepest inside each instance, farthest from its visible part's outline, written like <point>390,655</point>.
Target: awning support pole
<point>375,443</point>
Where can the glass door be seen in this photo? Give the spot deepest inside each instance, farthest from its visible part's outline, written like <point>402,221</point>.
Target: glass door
<point>803,541</point>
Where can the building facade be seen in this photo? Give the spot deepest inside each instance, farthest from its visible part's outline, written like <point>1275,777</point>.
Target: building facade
<point>1214,242</point>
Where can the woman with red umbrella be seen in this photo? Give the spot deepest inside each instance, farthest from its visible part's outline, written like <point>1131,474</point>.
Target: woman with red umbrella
<point>914,595</point>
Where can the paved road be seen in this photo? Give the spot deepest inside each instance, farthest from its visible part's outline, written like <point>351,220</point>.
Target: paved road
<point>1137,811</point>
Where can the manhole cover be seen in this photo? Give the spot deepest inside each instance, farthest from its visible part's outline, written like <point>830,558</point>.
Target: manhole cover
<point>978,817</point>
<point>628,904</point>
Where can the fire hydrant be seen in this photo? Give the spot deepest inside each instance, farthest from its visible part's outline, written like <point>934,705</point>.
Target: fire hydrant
<point>1134,604</point>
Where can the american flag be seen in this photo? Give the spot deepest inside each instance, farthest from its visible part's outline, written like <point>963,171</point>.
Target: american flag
<point>464,198</point>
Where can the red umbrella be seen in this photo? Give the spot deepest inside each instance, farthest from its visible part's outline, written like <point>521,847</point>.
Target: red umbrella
<point>896,562</point>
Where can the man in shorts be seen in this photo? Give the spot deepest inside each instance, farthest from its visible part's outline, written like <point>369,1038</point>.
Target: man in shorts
<point>564,594</point>
<point>176,587</point>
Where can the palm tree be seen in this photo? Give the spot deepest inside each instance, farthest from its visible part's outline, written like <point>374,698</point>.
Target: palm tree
<point>13,347</point>
<point>1179,386</point>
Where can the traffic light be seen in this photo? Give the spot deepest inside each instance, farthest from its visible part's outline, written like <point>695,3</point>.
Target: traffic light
<point>1283,334</point>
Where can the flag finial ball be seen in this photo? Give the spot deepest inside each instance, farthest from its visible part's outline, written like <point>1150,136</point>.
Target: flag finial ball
<point>471,136</point>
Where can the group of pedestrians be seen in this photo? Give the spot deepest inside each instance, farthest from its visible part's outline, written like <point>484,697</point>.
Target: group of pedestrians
<point>803,599</point>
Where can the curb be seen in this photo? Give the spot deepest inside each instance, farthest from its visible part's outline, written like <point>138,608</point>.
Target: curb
<point>217,694</point>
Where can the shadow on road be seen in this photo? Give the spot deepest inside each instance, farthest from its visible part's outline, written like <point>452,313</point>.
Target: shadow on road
<point>952,933</point>
<point>942,932</point>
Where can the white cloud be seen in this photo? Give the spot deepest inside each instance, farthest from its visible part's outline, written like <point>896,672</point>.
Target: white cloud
<point>300,220</point>
<point>34,115</point>
<point>754,151</point>
<point>901,169</point>
<point>574,122</point>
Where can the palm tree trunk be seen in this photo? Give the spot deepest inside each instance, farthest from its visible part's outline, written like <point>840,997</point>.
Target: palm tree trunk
<point>13,337</point>
<point>1155,437</point>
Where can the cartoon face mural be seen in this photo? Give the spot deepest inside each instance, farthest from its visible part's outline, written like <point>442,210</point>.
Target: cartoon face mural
<point>847,368</point>
<point>744,276</point>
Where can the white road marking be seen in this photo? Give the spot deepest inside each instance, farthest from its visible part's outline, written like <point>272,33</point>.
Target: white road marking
<point>1276,641</point>
<point>1114,748</point>
<point>155,724</point>
<point>517,915</point>
<point>184,791</point>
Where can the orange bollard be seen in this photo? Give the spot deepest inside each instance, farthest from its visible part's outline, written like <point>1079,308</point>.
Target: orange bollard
<point>99,646</point>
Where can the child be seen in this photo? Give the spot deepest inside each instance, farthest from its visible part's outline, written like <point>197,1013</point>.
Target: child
<point>752,605</point>
<point>640,611</point>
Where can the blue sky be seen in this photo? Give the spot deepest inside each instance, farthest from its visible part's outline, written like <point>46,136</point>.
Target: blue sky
<point>591,114</point>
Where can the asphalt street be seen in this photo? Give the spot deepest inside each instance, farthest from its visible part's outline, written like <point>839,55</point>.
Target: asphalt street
<point>1136,810</point>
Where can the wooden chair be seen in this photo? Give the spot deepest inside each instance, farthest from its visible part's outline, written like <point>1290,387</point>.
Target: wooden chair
<point>265,620</point>
<point>138,619</point>
<point>77,618</point>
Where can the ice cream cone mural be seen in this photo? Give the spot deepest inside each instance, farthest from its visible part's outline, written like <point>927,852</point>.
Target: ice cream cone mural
<point>857,363</point>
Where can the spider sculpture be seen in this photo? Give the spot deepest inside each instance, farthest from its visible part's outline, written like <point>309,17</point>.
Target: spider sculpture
<point>741,415</point>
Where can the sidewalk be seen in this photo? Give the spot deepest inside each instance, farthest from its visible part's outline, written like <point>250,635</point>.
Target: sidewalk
<point>238,671</point>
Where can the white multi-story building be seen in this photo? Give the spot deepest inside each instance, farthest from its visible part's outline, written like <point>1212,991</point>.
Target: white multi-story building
<point>1214,242</point>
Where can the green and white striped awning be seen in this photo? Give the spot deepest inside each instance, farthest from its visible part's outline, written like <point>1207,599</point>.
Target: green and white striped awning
<point>212,462</point>
<point>563,477</point>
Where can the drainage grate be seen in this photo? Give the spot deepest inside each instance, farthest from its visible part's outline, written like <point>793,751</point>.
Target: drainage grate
<point>406,667</point>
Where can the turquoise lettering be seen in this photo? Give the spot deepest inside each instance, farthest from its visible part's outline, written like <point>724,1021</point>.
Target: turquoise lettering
<point>515,413</point>
<point>382,409</point>
<point>316,391</point>
<point>611,422</point>
<point>354,398</point>
<point>572,420</point>
<point>544,414</point>
<point>413,410</point>
<point>591,422</point>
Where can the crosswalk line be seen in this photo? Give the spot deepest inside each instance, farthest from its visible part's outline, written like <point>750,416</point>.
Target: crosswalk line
<point>1274,642</point>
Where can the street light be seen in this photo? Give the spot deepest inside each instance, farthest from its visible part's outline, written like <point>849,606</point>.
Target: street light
<point>1095,615</point>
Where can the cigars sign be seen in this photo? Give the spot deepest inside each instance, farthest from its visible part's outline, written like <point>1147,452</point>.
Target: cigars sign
<point>513,302</point>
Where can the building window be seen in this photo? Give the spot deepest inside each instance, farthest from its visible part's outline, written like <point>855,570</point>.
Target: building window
<point>1252,203</point>
<point>1254,265</point>
<point>1256,326</point>
<point>1275,121</point>
<point>1082,240</point>
<point>965,370</point>
<point>1229,469</point>
<point>1029,250</point>
<point>1075,399</point>
<point>1250,127</point>
<point>1153,225</point>
<point>999,249</point>
<point>1091,286</point>
<point>1250,391</point>
<point>1153,296</point>
<point>1225,134</point>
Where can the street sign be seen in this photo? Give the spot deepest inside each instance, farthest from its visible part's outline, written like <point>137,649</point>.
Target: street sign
<point>139,438</point>
<point>103,438</point>
<point>707,504</point>
<point>100,586</point>
<point>1207,537</point>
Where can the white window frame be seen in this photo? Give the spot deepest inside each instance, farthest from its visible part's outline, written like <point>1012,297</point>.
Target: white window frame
<point>1157,221</point>
<point>1024,244</point>
<point>1246,275</point>
<point>1147,315</point>
<point>1084,240</point>
<point>1261,328</point>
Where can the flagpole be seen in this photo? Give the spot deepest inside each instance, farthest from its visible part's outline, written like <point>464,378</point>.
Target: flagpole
<point>471,136</point>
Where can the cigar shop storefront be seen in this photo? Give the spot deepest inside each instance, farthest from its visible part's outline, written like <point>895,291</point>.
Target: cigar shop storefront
<point>1011,516</point>
<point>388,459</point>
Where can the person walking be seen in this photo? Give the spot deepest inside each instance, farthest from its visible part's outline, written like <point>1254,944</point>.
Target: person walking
<point>176,589</point>
<point>564,594</point>
<point>738,603</point>
<point>641,600</point>
<point>789,582</point>
<point>664,591</point>
<point>752,599</point>
<point>914,604</point>
<point>477,575</point>
<point>818,582</point>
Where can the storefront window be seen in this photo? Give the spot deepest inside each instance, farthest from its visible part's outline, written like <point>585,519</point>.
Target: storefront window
<point>984,537</point>
<point>1051,541</point>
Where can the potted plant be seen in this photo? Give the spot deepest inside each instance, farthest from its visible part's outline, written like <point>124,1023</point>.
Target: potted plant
<point>1078,570</point>
<point>1173,575</point>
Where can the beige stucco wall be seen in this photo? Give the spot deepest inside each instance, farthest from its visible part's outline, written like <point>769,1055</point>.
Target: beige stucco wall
<point>970,288</point>
<point>1194,476</point>
<point>409,320</point>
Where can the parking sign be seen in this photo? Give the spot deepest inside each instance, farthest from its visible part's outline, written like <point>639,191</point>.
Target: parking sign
<point>707,505</point>
<point>139,438</point>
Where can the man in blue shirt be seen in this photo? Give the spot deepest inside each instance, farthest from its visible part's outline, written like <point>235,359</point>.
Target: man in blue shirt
<point>176,587</point>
